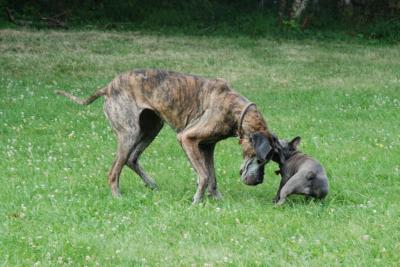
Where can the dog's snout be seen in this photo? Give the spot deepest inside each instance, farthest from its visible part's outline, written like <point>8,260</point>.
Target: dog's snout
<point>252,180</point>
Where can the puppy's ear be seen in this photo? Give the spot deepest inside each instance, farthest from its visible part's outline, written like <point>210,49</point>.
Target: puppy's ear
<point>261,145</point>
<point>295,142</point>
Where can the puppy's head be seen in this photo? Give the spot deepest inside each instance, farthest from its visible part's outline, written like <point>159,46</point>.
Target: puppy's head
<point>285,149</point>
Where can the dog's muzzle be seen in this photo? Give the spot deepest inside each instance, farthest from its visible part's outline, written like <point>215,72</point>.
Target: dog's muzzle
<point>252,172</point>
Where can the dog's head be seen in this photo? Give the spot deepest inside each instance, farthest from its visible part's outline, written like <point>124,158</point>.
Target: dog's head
<point>258,150</point>
<point>285,149</point>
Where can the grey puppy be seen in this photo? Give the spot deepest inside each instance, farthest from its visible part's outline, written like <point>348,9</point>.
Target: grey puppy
<point>300,173</point>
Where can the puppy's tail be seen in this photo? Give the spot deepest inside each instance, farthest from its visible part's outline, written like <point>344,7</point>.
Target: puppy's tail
<point>86,101</point>
<point>311,175</point>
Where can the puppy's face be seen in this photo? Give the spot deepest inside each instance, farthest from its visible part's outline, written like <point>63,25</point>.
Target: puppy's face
<point>285,149</point>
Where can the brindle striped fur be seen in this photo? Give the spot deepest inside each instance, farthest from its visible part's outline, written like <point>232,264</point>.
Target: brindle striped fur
<point>202,111</point>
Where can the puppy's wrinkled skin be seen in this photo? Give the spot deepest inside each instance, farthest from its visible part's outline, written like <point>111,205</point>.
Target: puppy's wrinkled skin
<point>300,173</point>
<point>201,111</point>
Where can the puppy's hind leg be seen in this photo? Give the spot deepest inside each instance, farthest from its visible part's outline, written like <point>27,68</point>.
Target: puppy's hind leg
<point>320,186</point>
<point>299,183</point>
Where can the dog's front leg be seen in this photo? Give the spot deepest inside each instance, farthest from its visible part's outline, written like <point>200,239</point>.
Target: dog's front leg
<point>208,152</point>
<point>190,145</point>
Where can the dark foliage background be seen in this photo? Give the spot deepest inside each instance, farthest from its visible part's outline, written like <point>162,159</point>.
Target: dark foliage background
<point>373,19</point>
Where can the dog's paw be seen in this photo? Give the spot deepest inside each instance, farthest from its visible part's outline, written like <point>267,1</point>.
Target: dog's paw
<point>216,195</point>
<point>197,200</point>
<point>152,186</point>
<point>115,191</point>
<point>116,194</point>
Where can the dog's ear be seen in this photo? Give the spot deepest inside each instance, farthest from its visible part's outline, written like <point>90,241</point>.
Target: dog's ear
<point>261,145</point>
<point>278,156</point>
<point>275,138</point>
<point>295,142</point>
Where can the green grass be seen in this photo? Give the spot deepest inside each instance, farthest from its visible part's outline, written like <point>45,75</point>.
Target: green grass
<point>56,208</point>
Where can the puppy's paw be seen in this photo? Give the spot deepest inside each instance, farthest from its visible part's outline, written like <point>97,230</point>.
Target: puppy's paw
<point>280,202</point>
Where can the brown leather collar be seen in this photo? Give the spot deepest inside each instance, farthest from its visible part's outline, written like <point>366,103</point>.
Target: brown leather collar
<point>244,111</point>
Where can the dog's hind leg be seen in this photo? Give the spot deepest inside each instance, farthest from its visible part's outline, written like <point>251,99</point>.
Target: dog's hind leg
<point>124,146</point>
<point>123,115</point>
<point>150,126</point>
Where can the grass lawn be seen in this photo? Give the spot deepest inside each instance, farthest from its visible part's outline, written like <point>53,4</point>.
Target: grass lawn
<point>342,97</point>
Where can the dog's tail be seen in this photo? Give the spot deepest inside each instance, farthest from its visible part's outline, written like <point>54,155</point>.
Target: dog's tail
<point>86,101</point>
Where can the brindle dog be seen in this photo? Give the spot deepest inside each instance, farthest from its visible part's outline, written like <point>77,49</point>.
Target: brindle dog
<point>202,112</point>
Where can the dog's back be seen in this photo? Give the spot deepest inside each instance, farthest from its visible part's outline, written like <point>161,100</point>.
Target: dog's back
<point>179,99</point>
